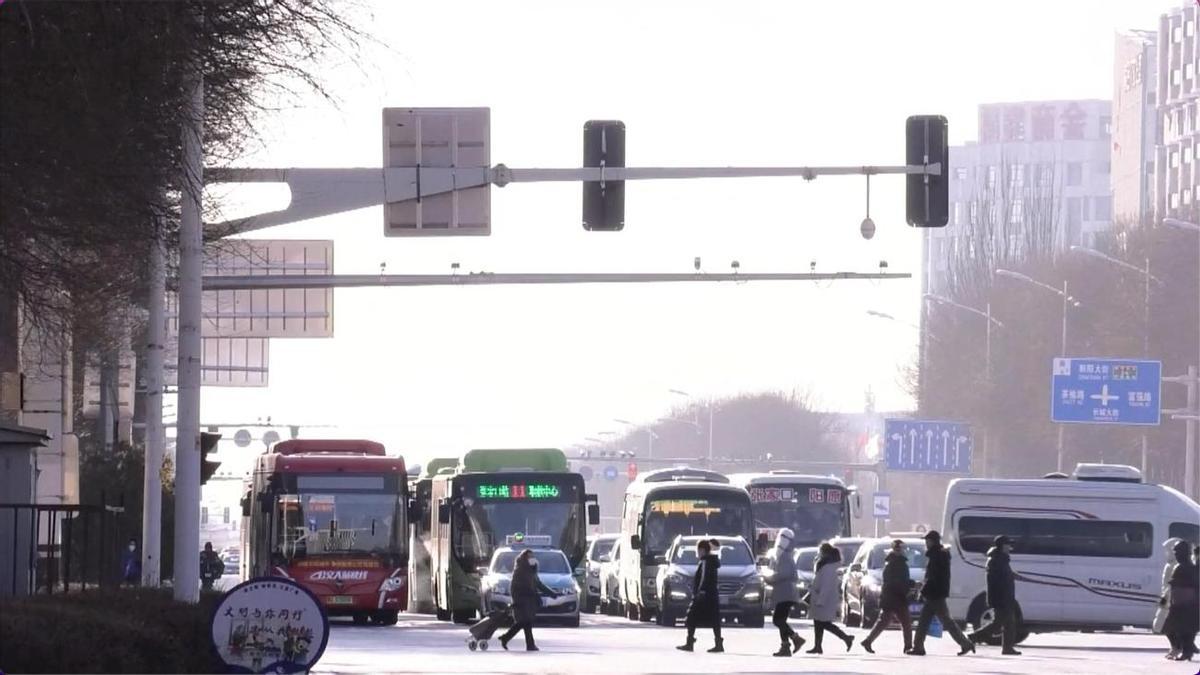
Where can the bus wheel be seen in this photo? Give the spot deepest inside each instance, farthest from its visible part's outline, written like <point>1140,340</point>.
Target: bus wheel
<point>644,614</point>
<point>442,614</point>
<point>463,615</point>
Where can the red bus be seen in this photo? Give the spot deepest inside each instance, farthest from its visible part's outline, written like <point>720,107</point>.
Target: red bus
<point>332,516</point>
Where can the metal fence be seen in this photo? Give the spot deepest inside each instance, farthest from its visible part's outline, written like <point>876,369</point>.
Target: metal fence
<point>58,548</point>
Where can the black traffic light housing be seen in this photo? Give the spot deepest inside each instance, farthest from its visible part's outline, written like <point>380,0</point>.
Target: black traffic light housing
<point>208,467</point>
<point>928,196</point>
<point>604,201</point>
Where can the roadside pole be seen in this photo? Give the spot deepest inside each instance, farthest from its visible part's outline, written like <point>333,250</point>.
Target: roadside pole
<point>155,436</point>
<point>187,442</point>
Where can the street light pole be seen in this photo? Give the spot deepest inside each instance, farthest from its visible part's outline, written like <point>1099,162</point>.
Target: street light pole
<point>1193,401</point>
<point>709,405</point>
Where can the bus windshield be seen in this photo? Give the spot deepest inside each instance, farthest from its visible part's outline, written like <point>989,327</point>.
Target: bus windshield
<point>693,513</point>
<point>322,520</point>
<point>491,509</point>
<point>815,513</point>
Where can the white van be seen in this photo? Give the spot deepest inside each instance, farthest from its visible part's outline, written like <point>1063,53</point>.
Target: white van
<point>1086,549</point>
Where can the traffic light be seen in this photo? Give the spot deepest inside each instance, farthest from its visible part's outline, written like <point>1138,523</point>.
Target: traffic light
<point>928,197</point>
<point>604,201</point>
<point>208,467</point>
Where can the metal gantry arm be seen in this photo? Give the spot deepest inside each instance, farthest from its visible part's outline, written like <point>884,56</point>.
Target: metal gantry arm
<point>323,192</point>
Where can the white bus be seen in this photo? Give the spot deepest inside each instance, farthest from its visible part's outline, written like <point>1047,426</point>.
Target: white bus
<point>1086,549</point>
<point>815,508</point>
<point>661,505</point>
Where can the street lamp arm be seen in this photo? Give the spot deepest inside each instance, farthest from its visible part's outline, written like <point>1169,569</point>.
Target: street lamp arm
<point>1028,279</point>
<point>966,308</point>
<point>1116,261</point>
<point>1181,224</point>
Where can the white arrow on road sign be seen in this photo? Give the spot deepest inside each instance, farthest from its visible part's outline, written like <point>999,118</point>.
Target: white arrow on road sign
<point>912,447</point>
<point>946,448</point>
<point>1104,397</point>
<point>958,442</point>
<point>928,446</point>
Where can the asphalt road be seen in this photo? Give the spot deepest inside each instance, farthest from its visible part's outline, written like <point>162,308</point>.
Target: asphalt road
<point>420,644</point>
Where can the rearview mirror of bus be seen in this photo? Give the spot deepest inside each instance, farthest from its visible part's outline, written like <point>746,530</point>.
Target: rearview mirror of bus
<point>443,512</point>
<point>593,514</point>
<point>245,506</point>
<point>635,542</point>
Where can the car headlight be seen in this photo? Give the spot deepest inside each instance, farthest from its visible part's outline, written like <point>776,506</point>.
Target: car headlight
<point>500,587</point>
<point>391,585</point>
<point>753,594</point>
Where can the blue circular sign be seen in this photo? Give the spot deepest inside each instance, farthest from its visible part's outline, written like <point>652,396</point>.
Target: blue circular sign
<point>610,473</point>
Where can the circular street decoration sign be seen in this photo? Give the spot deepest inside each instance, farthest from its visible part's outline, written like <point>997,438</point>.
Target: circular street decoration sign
<point>270,626</point>
<point>610,472</point>
<point>242,438</point>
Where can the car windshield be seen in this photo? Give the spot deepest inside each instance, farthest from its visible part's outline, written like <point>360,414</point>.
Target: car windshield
<point>914,552</point>
<point>806,559</point>
<point>729,554</point>
<point>848,550</point>
<point>600,548</point>
<point>549,562</point>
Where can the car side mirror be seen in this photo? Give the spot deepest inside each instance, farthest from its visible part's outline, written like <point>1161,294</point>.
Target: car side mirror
<point>635,542</point>
<point>443,512</point>
<point>593,513</point>
<point>856,567</point>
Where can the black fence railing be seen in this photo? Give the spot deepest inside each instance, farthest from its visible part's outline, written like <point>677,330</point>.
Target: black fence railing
<point>59,548</point>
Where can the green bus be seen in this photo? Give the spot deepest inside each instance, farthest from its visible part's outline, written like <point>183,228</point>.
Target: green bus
<point>420,579</point>
<point>497,497</point>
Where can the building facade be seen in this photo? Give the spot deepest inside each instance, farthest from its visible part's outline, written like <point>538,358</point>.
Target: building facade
<point>1135,125</point>
<point>1038,178</point>
<point>1176,181</point>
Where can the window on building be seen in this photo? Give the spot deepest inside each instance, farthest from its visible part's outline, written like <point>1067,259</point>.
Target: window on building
<point>960,173</point>
<point>1074,173</point>
<point>1105,126</point>
<point>203,515</point>
<point>1074,211</point>
<point>1150,168</point>
<point>1174,159</point>
<point>1177,34</point>
<point>991,178</point>
<point>1045,174</point>
<point>1085,210</point>
<point>1016,175</point>
<point>1187,155</point>
<point>226,518</point>
<point>1103,209</point>
<point>974,213</point>
<point>1174,200</point>
<point>1187,195</point>
<point>1175,77</point>
<point>1016,215</point>
<point>1189,70</point>
<point>1059,537</point>
<point>958,213</point>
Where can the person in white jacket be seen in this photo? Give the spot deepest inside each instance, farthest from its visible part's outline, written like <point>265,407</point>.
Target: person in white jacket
<point>823,598</point>
<point>1160,614</point>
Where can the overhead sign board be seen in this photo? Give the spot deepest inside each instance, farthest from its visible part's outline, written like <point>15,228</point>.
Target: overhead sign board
<point>264,313</point>
<point>932,446</point>
<point>1106,391</point>
<point>224,362</point>
<point>438,138</point>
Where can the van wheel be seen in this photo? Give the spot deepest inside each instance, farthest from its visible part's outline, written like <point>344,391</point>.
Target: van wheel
<point>645,615</point>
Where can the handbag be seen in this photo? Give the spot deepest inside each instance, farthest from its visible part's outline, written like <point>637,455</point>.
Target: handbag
<point>935,628</point>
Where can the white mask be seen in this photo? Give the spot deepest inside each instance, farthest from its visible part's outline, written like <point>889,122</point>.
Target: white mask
<point>132,547</point>
<point>533,562</point>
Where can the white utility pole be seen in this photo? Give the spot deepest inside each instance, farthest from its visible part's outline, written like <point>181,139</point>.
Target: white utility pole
<point>156,439</point>
<point>191,262</point>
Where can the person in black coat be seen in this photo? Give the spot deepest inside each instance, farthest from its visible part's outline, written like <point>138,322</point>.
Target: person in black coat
<point>705,608</point>
<point>1183,604</point>
<point>893,597</point>
<point>934,592</point>
<point>1001,597</point>
<point>526,590</point>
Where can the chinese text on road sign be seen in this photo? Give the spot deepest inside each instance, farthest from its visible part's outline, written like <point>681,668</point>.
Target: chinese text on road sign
<point>1106,391</point>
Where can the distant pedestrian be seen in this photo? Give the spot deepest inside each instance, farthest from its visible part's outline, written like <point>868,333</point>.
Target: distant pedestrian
<point>1183,604</point>
<point>893,597</point>
<point>527,591</point>
<point>783,592</point>
<point>211,567</point>
<point>705,609</point>
<point>934,592</point>
<point>823,598</point>
<point>131,564</point>
<point>1001,597</point>
<point>1160,614</point>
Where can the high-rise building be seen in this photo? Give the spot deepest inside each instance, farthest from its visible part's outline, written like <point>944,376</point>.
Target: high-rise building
<point>1176,181</point>
<point>1135,125</point>
<point>1037,179</point>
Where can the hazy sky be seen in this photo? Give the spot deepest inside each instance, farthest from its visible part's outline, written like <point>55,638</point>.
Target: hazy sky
<point>440,370</point>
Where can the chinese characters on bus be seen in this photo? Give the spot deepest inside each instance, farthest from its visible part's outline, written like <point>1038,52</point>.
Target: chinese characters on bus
<point>816,495</point>
<point>518,491</point>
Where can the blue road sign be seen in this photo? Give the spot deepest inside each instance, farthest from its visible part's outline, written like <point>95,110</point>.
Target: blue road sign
<point>881,505</point>
<point>928,445</point>
<point>610,472</point>
<point>1106,391</point>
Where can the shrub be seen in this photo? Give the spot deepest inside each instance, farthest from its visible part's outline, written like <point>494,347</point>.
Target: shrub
<point>107,631</point>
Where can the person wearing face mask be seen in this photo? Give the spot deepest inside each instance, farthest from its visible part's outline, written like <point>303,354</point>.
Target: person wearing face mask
<point>1160,614</point>
<point>1001,597</point>
<point>783,592</point>
<point>1183,604</point>
<point>705,609</point>
<point>131,564</point>
<point>526,589</point>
